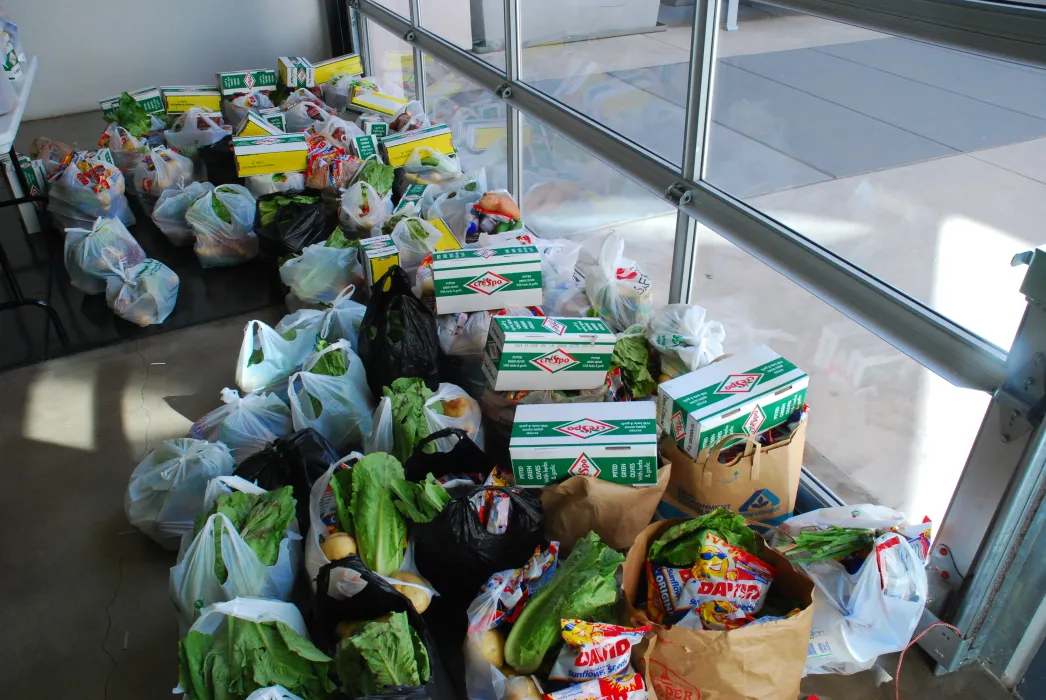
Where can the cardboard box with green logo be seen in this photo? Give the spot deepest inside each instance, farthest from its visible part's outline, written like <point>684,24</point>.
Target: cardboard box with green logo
<point>238,82</point>
<point>615,442</point>
<point>277,153</point>
<point>378,254</point>
<point>527,352</point>
<point>295,72</point>
<point>483,279</point>
<point>741,395</point>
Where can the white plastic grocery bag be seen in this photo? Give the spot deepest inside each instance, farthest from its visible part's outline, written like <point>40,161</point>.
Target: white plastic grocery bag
<point>430,166</point>
<point>275,182</point>
<point>338,408</point>
<point>618,289</point>
<point>90,255</point>
<point>453,201</point>
<point>269,355</point>
<point>362,209</point>
<point>236,108</point>
<point>409,117</point>
<point>166,488</point>
<point>685,338</point>
<point>861,616</point>
<point>87,187</point>
<point>320,273</point>
<point>416,239</point>
<point>171,207</point>
<point>465,334</point>
<point>223,222</point>
<point>161,169</point>
<point>126,149</point>
<point>193,130</point>
<point>253,610</point>
<point>343,319</point>
<point>276,692</point>
<point>246,425</point>
<point>336,128</point>
<point>194,583</point>
<point>303,109</point>
<point>144,294</point>
<point>381,439</point>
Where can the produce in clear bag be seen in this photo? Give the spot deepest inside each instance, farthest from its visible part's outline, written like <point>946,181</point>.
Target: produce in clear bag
<point>495,212</point>
<point>408,412</point>
<point>618,289</point>
<point>235,108</point>
<point>453,201</point>
<point>193,129</point>
<point>321,273</point>
<point>330,395</point>
<point>869,570</point>
<point>363,209</point>
<point>144,294</point>
<point>91,255</point>
<point>260,185</point>
<point>685,338</point>
<point>166,489</point>
<point>633,368</point>
<point>126,149</point>
<point>161,169</point>
<point>223,222</point>
<point>303,109</point>
<point>171,207</point>
<point>246,425</point>
<point>337,90</point>
<point>343,319</point>
<point>86,186</point>
<point>409,117</point>
<point>245,544</point>
<point>244,647</point>
<point>429,166</point>
<point>49,152</point>
<point>269,355</point>
<point>465,334</point>
<point>288,223</point>
<point>415,239</point>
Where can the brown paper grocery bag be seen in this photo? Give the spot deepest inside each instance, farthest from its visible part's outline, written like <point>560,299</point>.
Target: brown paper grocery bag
<point>755,662</point>
<point>761,484</point>
<point>616,512</point>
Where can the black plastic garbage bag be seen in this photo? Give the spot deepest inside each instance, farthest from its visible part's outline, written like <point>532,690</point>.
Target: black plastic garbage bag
<point>296,461</point>
<point>286,223</point>
<point>377,598</point>
<point>398,335</point>
<point>220,162</point>
<point>465,457</point>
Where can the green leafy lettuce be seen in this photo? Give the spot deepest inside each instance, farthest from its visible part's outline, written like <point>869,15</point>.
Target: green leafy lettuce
<point>131,116</point>
<point>341,487</point>
<point>262,521</point>
<point>632,355</point>
<point>379,176</point>
<point>409,425</point>
<point>220,210</point>
<point>830,543</point>
<point>382,655</point>
<point>390,224</point>
<point>330,363</point>
<point>337,239</point>
<point>582,588</point>
<point>244,656</point>
<point>382,503</point>
<point>271,209</point>
<point>680,545</point>
<point>416,230</point>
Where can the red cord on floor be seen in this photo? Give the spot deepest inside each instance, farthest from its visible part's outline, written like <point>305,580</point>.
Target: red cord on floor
<point>900,660</point>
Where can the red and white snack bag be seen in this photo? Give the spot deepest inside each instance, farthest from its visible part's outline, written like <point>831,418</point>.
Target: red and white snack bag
<point>595,650</point>
<point>501,599</point>
<point>627,686</point>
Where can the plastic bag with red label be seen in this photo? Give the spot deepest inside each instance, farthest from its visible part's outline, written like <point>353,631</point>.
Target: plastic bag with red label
<point>619,291</point>
<point>236,108</point>
<point>595,650</point>
<point>723,590</point>
<point>126,149</point>
<point>159,170</point>
<point>503,596</point>
<point>85,186</point>
<point>627,686</point>
<point>410,117</point>
<point>304,109</point>
<point>194,129</point>
<point>495,212</point>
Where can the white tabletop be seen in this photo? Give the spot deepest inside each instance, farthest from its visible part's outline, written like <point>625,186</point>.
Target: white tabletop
<point>10,122</point>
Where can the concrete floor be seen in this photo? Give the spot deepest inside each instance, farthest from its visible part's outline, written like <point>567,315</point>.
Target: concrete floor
<point>86,611</point>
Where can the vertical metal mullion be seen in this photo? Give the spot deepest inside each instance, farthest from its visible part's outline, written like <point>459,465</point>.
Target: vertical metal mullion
<point>359,23</point>
<point>695,139</point>
<point>513,117</point>
<point>419,58</point>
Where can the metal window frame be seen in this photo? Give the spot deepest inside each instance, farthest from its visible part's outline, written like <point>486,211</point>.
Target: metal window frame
<point>985,525</point>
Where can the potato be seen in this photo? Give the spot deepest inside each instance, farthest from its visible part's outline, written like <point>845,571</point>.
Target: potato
<point>456,408</point>
<point>492,644</point>
<point>338,546</point>
<point>419,598</point>
<point>521,688</point>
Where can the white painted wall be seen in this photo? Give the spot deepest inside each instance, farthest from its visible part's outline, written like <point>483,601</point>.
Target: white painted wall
<point>90,49</point>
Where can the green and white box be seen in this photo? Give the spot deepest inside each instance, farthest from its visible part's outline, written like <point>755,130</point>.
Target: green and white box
<point>528,352</point>
<point>412,195</point>
<point>484,279</point>
<point>615,442</point>
<point>366,146</point>
<point>743,394</point>
<point>295,72</point>
<point>374,126</point>
<point>149,98</point>
<point>238,82</point>
<point>274,116</point>
<point>378,255</point>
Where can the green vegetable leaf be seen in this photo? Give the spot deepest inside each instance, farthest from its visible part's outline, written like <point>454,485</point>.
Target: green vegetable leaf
<point>330,363</point>
<point>632,355</point>
<point>409,425</point>
<point>830,543</point>
<point>390,224</point>
<point>582,588</point>
<point>416,230</point>
<point>337,239</point>
<point>430,161</point>
<point>131,116</point>
<point>220,210</point>
<point>382,655</point>
<point>381,531</point>
<point>341,487</point>
<point>680,545</point>
<point>420,503</point>
<point>379,176</point>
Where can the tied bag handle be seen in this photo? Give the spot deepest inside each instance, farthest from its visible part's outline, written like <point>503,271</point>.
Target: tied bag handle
<point>713,456</point>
